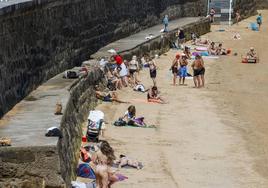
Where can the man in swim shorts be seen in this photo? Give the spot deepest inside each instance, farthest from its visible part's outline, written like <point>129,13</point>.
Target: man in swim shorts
<point>183,69</point>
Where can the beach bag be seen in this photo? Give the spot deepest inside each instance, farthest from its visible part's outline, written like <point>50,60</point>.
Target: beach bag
<point>85,171</point>
<point>70,74</point>
<point>120,123</point>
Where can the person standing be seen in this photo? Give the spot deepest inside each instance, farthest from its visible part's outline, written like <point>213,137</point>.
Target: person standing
<point>181,38</point>
<point>152,68</point>
<point>199,72</point>
<point>165,22</point>
<point>212,13</point>
<point>237,17</point>
<point>174,68</point>
<point>133,70</point>
<point>183,69</point>
<point>259,21</point>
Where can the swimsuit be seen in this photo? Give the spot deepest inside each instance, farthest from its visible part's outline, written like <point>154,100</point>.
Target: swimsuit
<point>153,73</point>
<point>175,70</point>
<point>107,98</point>
<point>183,71</point>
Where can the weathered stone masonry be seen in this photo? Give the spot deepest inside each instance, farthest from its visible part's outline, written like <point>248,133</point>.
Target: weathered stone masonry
<point>39,39</point>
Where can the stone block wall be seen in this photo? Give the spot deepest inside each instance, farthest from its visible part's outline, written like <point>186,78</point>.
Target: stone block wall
<point>30,167</point>
<point>82,100</point>
<point>262,4</point>
<point>39,39</point>
<point>245,7</point>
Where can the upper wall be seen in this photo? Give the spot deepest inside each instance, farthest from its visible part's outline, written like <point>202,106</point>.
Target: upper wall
<point>245,7</point>
<point>40,39</point>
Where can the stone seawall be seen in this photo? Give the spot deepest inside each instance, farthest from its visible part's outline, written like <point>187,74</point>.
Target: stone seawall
<point>82,100</point>
<point>30,167</point>
<point>245,7</point>
<point>39,39</point>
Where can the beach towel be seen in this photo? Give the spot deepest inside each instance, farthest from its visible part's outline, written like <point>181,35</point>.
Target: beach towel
<point>254,27</point>
<point>204,53</point>
<point>127,166</point>
<point>85,171</point>
<point>201,48</point>
<point>77,184</point>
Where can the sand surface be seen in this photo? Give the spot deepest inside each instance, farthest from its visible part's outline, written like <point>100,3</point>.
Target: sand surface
<point>215,137</point>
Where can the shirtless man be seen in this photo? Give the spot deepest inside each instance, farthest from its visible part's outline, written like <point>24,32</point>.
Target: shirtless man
<point>199,72</point>
<point>111,96</point>
<point>183,69</point>
<point>175,68</point>
<point>252,56</point>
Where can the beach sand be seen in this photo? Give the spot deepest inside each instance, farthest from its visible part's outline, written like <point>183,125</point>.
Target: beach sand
<point>215,137</point>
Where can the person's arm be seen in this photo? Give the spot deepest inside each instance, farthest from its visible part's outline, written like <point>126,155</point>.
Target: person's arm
<point>174,62</point>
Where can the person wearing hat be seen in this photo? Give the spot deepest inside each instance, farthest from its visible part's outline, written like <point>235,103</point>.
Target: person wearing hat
<point>174,68</point>
<point>183,69</point>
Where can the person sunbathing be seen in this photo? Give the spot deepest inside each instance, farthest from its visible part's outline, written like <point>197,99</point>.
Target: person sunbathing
<point>126,161</point>
<point>252,55</point>
<point>110,96</point>
<point>153,96</point>
<point>220,50</point>
<point>201,42</point>
<point>212,49</point>
<point>187,52</point>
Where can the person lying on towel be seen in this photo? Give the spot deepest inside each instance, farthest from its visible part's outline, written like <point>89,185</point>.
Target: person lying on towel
<point>153,96</point>
<point>110,96</point>
<point>126,161</point>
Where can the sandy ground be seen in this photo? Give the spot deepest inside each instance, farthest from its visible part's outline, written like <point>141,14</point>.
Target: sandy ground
<point>212,137</point>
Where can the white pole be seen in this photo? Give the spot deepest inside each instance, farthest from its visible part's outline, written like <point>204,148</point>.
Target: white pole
<point>208,8</point>
<point>230,13</point>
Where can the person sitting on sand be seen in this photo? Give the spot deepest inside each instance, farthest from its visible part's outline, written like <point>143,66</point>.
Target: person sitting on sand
<point>183,69</point>
<point>252,54</point>
<point>199,72</point>
<point>126,161</point>
<point>116,74</point>
<point>220,50</point>
<point>130,118</point>
<point>110,96</point>
<point>174,68</point>
<point>153,96</point>
<point>187,52</point>
<point>102,161</point>
<point>212,49</point>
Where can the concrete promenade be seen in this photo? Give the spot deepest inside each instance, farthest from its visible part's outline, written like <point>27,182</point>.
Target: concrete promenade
<point>27,122</point>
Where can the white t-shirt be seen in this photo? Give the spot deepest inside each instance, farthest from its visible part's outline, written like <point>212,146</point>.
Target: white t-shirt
<point>124,70</point>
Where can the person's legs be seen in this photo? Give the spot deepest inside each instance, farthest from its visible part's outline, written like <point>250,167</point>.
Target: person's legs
<point>174,78</point>
<point>183,80</point>
<point>198,81</point>
<point>203,80</point>
<point>195,81</point>
<point>180,80</point>
<point>154,81</point>
<point>102,177</point>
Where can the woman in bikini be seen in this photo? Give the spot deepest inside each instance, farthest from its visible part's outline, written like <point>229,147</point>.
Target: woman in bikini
<point>133,70</point>
<point>153,96</point>
<point>212,49</point>
<point>116,74</point>
<point>152,68</point>
<point>174,68</point>
<point>102,162</point>
<point>199,72</point>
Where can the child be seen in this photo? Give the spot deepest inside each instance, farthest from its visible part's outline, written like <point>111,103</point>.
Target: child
<point>125,161</point>
<point>130,117</point>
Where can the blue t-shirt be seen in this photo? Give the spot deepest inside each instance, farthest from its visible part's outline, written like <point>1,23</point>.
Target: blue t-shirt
<point>165,21</point>
<point>259,19</point>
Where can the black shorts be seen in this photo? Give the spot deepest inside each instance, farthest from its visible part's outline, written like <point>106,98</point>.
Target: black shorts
<point>198,72</point>
<point>153,73</point>
<point>202,72</point>
<point>132,71</point>
<point>174,70</point>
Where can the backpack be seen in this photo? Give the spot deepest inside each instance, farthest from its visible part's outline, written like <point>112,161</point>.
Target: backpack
<point>70,74</point>
<point>85,171</point>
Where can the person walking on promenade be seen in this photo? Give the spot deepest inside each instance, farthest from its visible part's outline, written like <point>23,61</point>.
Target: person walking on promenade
<point>259,21</point>
<point>165,22</point>
<point>211,14</point>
